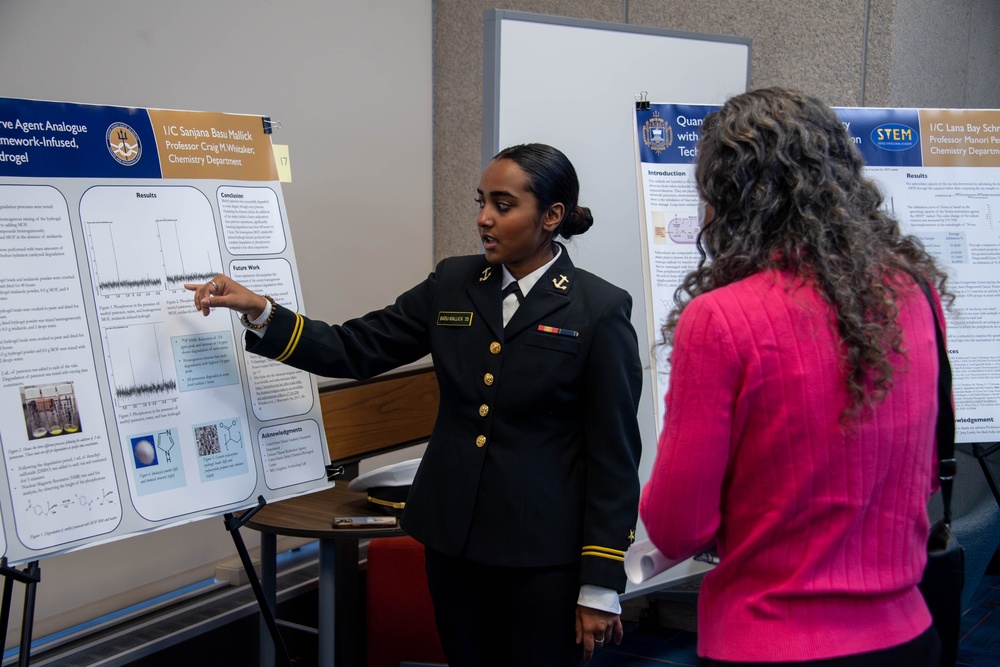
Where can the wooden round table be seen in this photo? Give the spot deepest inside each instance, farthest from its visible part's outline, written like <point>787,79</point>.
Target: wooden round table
<point>311,516</point>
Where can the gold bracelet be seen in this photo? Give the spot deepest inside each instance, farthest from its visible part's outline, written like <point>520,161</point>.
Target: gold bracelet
<point>245,321</point>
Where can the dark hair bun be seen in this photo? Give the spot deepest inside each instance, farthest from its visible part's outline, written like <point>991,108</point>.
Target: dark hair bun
<point>576,221</point>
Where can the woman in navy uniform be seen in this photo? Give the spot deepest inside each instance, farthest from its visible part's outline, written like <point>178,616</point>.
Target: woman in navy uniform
<point>526,497</point>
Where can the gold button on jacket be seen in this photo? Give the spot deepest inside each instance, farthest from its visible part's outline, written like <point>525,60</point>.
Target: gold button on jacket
<point>558,406</point>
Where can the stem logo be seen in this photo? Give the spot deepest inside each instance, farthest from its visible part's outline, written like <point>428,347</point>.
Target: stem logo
<point>894,137</point>
<point>123,144</point>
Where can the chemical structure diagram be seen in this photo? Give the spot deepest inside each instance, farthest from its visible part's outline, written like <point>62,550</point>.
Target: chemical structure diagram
<point>227,431</point>
<point>48,507</point>
<point>165,442</point>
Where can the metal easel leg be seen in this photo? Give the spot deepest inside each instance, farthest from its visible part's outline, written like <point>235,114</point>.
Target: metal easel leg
<point>30,577</point>
<point>233,524</point>
<point>33,575</point>
<point>268,582</point>
<point>981,451</point>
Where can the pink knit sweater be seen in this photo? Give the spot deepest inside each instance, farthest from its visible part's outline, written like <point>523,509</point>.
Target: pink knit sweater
<point>821,530</point>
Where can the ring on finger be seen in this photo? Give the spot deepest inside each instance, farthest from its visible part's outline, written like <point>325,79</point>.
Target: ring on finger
<point>214,286</point>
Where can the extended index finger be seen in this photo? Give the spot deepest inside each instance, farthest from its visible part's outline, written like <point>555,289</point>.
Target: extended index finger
<point>201,293</point>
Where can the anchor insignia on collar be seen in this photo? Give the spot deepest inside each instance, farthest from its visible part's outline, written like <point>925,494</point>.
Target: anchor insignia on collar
<point>562,283</point>
<point>487,272</point>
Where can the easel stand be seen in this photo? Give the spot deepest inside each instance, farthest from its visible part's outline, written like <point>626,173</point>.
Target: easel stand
<point>981,450</point>
<point>233,524</point>
<point>30,577</point>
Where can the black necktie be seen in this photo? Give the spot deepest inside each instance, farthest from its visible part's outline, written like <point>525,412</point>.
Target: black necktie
<point>513,288</point>
<point>510,305</point>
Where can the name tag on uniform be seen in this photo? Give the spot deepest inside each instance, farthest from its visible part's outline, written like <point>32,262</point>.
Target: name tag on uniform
<point>447,318</point>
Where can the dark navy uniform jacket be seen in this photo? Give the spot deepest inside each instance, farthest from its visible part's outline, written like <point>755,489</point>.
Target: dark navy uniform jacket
<point>534,455</point>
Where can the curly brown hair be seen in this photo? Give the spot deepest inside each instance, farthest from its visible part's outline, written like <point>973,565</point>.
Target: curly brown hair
<point>785,181</point>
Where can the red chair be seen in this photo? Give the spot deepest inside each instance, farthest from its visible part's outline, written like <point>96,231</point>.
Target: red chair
<point>400,616</point>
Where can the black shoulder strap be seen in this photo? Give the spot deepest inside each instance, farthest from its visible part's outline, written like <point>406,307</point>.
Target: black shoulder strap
<point>947,467</point>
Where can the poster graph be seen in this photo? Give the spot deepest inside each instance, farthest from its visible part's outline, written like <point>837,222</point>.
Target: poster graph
<point>148,245</point>
<point>135,365</point>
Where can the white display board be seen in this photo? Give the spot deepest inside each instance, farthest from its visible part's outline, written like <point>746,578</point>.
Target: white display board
<point>123,409</point>
<point>939,172</point>
<point>573,84</point>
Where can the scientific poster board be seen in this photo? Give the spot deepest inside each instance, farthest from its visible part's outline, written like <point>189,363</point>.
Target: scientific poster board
<point>939,170</point>
<point>122,408</point>
<point>573,83</point>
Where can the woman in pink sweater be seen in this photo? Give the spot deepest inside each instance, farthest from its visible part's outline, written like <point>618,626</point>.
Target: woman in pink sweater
<point>799,432</point>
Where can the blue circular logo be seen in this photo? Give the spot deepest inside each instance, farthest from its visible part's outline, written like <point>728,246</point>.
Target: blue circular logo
<point>123,144</point>
<point>895,137</point>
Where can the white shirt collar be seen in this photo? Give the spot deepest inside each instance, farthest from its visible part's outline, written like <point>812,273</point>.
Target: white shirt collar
<point>527,282</point>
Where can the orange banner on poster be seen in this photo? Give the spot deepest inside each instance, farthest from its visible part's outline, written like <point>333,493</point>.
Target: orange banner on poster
<point>960,138</point>
<point>195,144</point>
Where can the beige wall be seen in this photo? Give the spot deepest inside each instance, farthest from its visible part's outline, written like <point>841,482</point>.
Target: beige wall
<point>910,53</point>
<point>360,192</point>
<point>944,54</point>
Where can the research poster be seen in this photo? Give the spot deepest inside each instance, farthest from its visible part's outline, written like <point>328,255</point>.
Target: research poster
<point>122,408</point>
<point>939,170</point>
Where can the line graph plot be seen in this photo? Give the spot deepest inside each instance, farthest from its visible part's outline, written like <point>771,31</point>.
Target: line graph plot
<point>117,264</point>
<point>147,240</point>
<point>136,366</point>
<point>184,264</point>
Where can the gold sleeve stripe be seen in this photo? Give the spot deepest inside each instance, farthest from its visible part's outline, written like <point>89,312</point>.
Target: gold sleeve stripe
<point>598,554</point>
<point>613,552</point>
<point>387,503</point>
<point>294,340</point>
